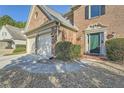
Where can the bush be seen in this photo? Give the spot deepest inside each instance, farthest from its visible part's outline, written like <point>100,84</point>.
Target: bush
<point>66,50</point>
<point>20,48</point>
<point>75,51</point>
<point>115,49</point>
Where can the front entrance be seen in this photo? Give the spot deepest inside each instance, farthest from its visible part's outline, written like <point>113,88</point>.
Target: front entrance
<point>94,43</point>
<point>95,37</point>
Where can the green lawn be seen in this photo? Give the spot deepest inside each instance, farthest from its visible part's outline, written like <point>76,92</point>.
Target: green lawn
<point>20,49</point>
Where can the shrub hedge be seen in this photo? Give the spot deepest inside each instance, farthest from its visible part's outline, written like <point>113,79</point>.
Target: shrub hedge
<point>65,50</point>
<point>115,49</point>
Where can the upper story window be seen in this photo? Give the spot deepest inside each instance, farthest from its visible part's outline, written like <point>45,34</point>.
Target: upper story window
<point>4,34</point>
<point>36,15</point>
<point>94,11</point>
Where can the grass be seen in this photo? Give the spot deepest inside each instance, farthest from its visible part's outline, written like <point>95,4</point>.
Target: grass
<point>17,53</point>
<point>20,49</point>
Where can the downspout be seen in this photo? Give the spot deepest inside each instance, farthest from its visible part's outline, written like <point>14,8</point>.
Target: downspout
<point>57,29</point>
<point>36,44</point>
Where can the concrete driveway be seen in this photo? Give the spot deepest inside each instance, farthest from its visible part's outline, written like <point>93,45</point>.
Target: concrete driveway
<point>5,60</point>
<point>88,76</point>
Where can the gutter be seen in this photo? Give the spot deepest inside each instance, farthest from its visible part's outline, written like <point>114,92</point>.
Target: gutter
<point>62,24</point>
<point>43,25</point>
<point>57,28</point>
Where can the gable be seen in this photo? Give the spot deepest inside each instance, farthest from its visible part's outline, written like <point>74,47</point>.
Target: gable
<point>44,15</point>
<point>4,34</point>
<point>36,18</point>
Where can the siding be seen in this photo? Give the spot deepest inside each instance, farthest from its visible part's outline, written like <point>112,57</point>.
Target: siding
<point>4,37</point>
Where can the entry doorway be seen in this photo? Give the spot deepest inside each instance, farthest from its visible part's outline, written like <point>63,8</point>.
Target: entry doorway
<point>95,43</point>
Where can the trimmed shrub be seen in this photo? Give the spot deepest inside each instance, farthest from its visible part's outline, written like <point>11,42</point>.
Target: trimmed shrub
<point>66,50</point>
<point>20,48</point>
<point>75,51</point>
<point>115,49</point>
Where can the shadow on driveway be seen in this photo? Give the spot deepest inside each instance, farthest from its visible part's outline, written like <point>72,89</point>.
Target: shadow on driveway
<point>26,72</point>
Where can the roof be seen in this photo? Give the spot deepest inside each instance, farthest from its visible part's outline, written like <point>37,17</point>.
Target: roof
<point>15,32</point>
<point>55,16</point>
<point>68,13</point>
<point>73,7</point>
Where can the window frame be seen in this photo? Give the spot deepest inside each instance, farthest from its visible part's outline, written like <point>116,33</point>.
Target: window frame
<point>89,12</point>
<point>2,33</point>
<point>99,11</point>
<point>36,15</point>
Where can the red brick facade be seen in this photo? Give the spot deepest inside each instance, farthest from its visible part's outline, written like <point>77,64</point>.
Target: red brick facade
<point>113,19</point>
<point>36,19</point>
<point>42,18</point>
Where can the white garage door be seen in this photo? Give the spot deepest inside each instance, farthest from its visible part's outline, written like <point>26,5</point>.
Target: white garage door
<point>44,45</point>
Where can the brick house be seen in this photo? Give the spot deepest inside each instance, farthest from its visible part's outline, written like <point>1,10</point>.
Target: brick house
<point>88,26</point>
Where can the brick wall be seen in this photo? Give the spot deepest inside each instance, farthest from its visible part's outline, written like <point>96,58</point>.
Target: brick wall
<point>36,21</point>
<point>113,19</point>
<point>68,35</point>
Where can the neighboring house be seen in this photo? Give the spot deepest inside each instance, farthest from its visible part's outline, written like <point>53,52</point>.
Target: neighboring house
<point>88,26</point>
<point>11,36</point>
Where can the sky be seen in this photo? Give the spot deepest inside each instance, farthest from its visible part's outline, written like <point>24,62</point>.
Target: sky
<point>21,12</point>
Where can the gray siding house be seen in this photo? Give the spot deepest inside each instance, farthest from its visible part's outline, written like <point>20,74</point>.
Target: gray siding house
<point>11,36</point>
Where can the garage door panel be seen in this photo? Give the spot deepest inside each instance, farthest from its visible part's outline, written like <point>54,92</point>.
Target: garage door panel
<point>44,45</point>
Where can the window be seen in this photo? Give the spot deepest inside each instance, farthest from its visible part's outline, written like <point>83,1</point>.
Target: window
<point>36,15</point>
<point>4,34</point>
<point>94,11</point>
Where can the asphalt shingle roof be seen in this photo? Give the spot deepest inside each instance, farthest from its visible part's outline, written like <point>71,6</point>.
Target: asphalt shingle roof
<point>53,15</point>
<point>15,32</point>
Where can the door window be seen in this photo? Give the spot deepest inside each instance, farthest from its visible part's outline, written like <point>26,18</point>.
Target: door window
<point>95,43</point>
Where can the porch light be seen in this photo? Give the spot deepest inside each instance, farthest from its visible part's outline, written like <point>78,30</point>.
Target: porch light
<point>80,38</point>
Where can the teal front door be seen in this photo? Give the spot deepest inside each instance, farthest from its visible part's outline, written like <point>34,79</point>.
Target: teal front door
<point>94,43</point>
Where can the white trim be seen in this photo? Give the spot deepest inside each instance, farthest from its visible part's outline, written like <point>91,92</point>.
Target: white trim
<point>89,16</point>
<point>40,33</point>
<point>102,46</point>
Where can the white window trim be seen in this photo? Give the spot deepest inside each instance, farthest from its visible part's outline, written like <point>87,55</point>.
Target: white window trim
<point>89,17</point>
